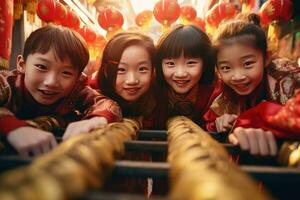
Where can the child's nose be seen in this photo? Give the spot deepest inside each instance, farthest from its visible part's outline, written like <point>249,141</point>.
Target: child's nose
<point>132,79</point>
<point>51,80</point>
<point>238,75</point>
<point>180,72</point>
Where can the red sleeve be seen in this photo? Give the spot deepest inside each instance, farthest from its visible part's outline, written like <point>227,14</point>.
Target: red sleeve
<point>10,123</point>
<point>209,119</point>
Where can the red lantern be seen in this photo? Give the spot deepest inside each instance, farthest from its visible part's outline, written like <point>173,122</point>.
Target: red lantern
<point>273,10</point>
<point>219,12</point>
<point>100,42</point>
<point>199,22</point>
<point>188,13</point>
<point>46,10</point>
<point>110,18</point>
<point>166,11</point>
<point>6,25</point>
<point>143,18</point>
<point>60,13</point>
<point>71,20</point>
<point>88,34</point>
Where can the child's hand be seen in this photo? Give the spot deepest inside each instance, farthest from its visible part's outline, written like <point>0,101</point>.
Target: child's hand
<point>225,122</point>
<point>28,140</point>
<point>83,126</point>
<point>257,141</point>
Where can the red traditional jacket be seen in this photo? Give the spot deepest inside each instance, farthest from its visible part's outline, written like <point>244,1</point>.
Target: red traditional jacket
<point>192,105</point>
<point>17,105</point>
<point>281,78</point>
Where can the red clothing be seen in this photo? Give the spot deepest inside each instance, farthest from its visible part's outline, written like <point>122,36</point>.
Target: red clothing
<point>17,105</point>
<point>280,80</point>
<point>192,105</point>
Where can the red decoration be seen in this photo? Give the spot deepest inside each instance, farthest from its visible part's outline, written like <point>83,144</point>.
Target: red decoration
<point>6,23</point>
<point>143,18</point>
<point>110,19</point>
<point>100,42</point>
<point>18,8</point>
<point>60,13</point>
<point>219,12</point>
<point>166,11</point>
<point>88,34</point>
<point>188,13</point>
<point>199,22</point>
<point>71,20</point>
<point>273,10</point>
<point>46,10</point>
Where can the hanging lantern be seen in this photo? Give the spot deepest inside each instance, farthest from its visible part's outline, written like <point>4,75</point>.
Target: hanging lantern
<point>46,10</point>
<point>88,34</point>
<point>60,13</point>
<point>110,19</point>
<point>199,22</point>
<point>187,14</point>
<point>166,12</point>
<point>247,5</point>
<point>71,20</point>
<point>143,19</point>
<point>272,10</point>
<point>18,9</point>
<point>219,12</point>
<point>31,6</point>
<point>6,23</point>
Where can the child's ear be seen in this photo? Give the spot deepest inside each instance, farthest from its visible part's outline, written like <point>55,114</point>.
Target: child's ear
<point>20,64</point>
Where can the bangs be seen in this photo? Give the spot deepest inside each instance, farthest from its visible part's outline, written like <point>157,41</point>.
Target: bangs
<point>186,41</point>
<point>65,43</point>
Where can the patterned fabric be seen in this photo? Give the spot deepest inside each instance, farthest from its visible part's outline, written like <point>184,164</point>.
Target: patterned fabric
<point>83,102</point>
<point>281,79</point>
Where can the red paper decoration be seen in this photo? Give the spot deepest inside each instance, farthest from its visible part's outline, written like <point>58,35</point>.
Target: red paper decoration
<point>110,19</point>
<point>273,10</point>
<point>60,13</point>
<point>143,18</point>
<point>219,12</point>
<point>199,22</point>
<point>166,11</point>
<point>71,20</point>
<point>46,10</point>
<point>188,13</point>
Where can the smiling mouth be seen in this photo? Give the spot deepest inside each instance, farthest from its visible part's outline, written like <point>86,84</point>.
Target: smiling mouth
<point>131,90</point>
<point>48,93</point>
<point>181,82</point>
<point>242,86</point>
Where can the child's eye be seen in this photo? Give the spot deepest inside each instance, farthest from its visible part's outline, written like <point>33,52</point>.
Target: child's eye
<point>224,68</point>
<point>248,64</point>
<point>121,70</point>
<point>170,63</point>
<point>41,67</point>
<point>192,63</point>
<point>143,69</point>
<point>67,73</point>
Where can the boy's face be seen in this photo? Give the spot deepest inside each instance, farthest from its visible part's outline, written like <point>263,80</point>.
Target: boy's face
<point>47,78</point>
<point>182,74</point>
<point>241,67</point>
<point>134,73</point>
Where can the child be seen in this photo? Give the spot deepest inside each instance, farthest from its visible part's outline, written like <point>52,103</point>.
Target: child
<point>127,73</point>
<point>48,81</point>
<point>185,70</point>
<point>243,66</point>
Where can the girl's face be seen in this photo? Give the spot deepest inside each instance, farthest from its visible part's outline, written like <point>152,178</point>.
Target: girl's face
<point>134,73</point>
<point>182,73</point>
<point>47,78</point>
<point>241,67</point>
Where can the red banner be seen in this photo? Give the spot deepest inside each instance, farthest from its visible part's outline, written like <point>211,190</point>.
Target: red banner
<point>6,23</point>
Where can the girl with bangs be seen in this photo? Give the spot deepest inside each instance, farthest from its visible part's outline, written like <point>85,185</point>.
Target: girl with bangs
<point>185,72</point>
<point>249,77</point>
<point>126,74</point>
